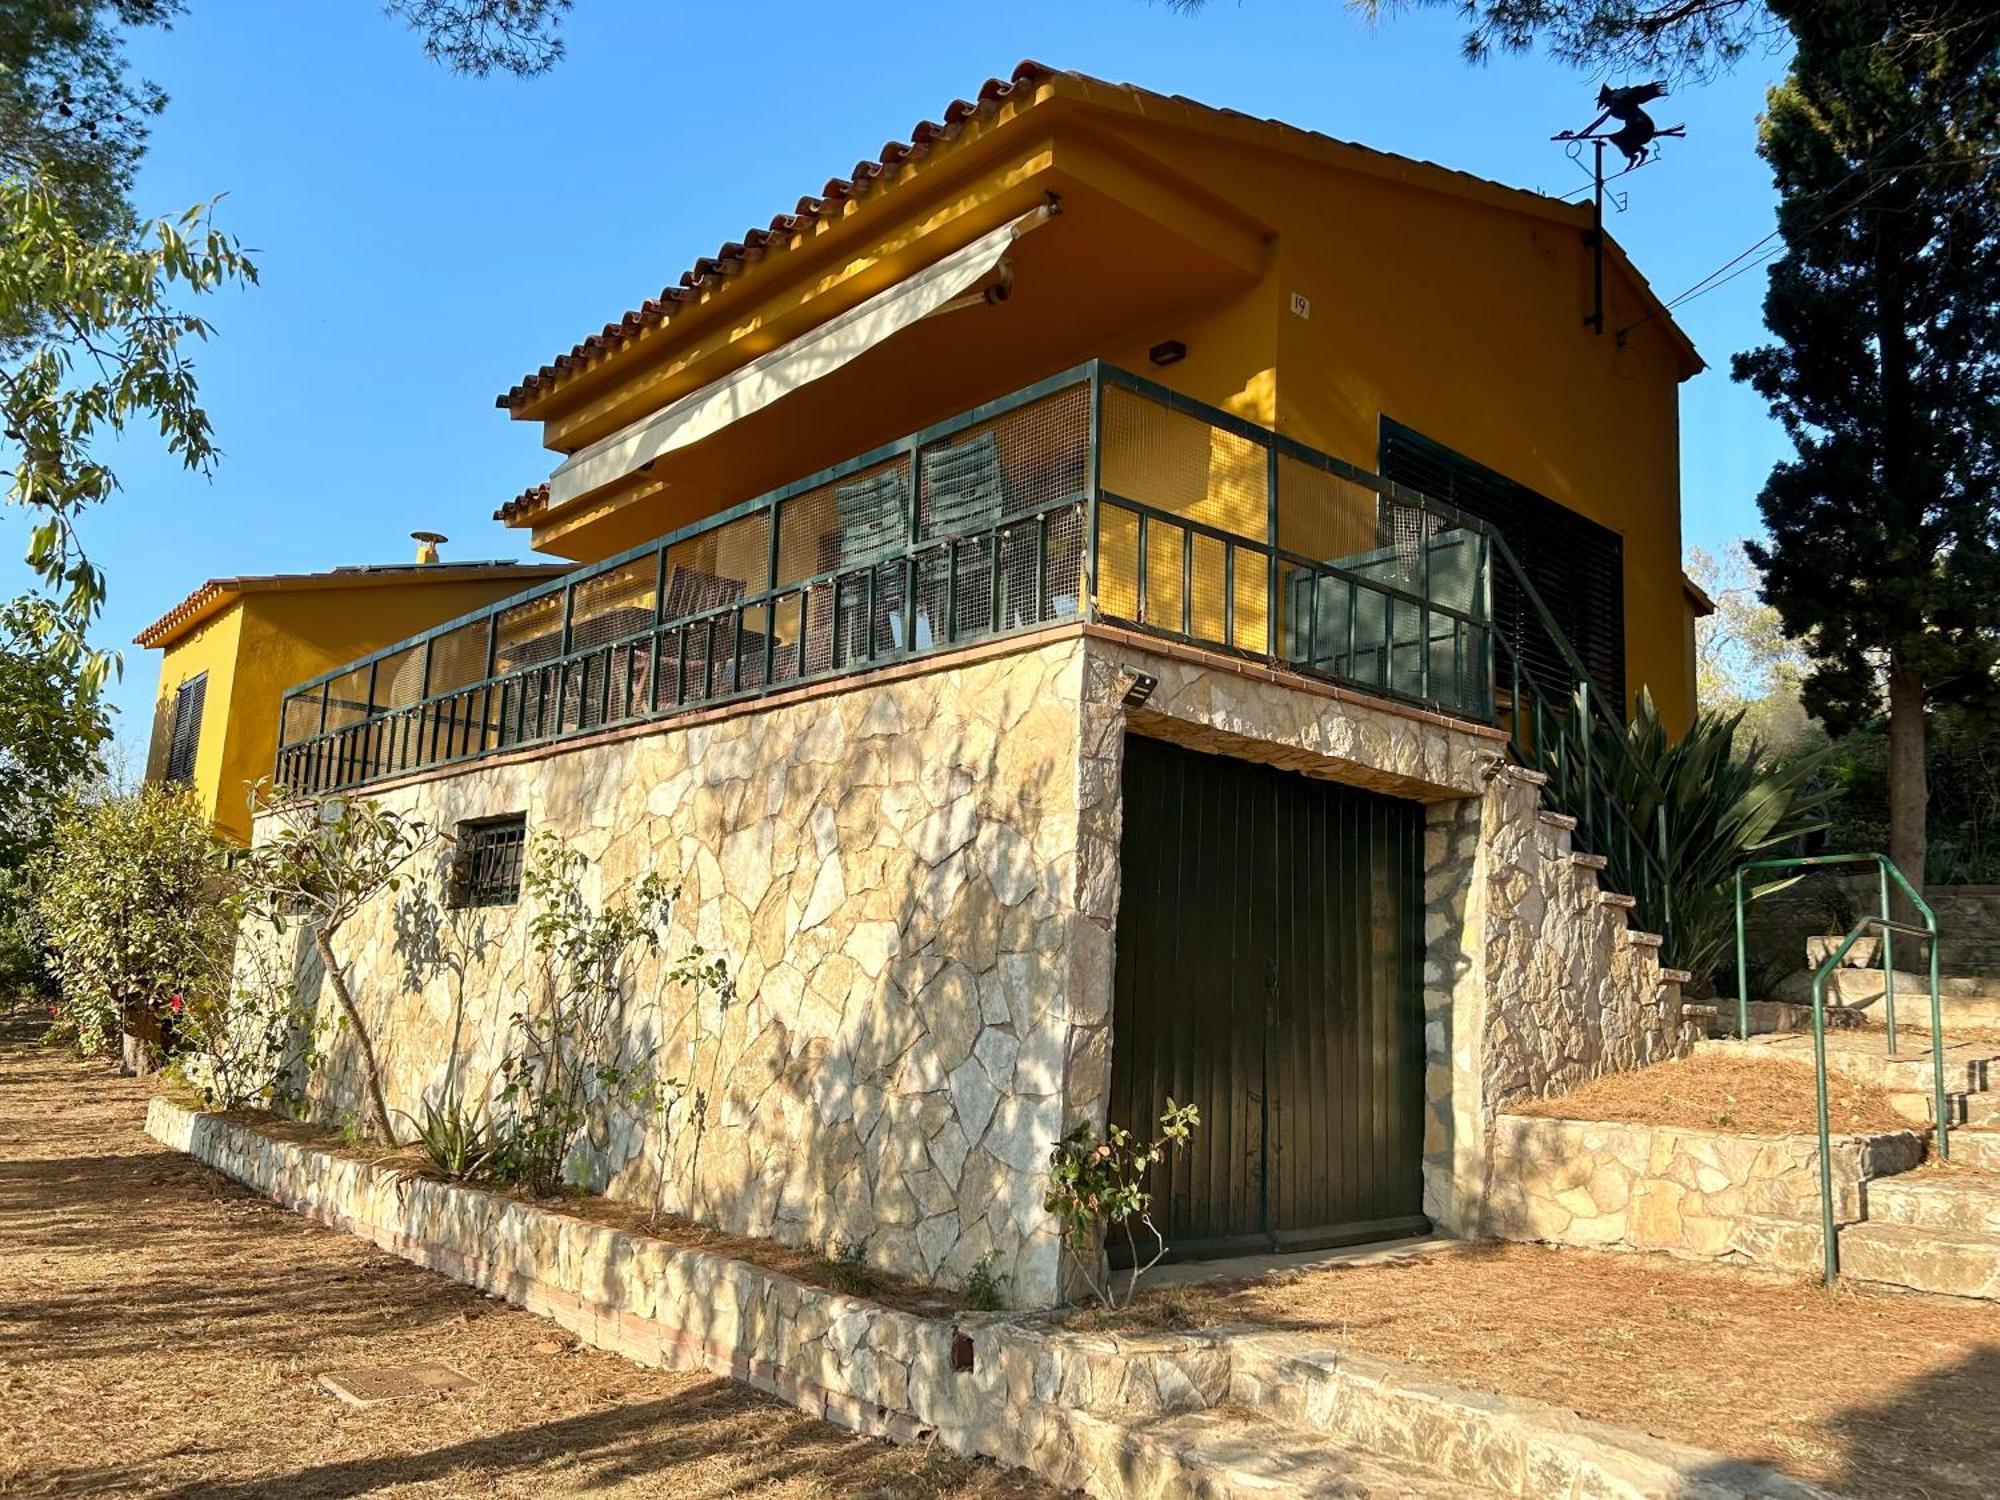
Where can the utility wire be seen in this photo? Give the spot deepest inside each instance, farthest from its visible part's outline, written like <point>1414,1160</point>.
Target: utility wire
<point>1710,282</point>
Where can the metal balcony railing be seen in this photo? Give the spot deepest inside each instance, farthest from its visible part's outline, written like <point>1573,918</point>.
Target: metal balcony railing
<point>1093,494</point>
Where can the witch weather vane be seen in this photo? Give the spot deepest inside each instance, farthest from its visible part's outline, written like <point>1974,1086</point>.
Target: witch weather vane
<point>1634,136</point>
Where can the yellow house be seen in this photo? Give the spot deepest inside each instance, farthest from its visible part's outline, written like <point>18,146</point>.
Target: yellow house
<point>1099,604</point>
<point>1403,317</point>
<point>231,648</point>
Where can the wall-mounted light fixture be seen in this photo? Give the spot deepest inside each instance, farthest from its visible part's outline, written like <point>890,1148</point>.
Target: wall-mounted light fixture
<point>1139,688</point>
<point>1171,352</point>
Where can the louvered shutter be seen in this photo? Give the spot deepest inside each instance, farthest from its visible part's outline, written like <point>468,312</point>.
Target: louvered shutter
<point>186,736</point>
<point>1576,565</point>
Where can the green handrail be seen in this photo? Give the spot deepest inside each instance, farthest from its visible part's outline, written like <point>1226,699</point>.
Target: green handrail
<point>1829,1241</point>
<point>1887,872</point>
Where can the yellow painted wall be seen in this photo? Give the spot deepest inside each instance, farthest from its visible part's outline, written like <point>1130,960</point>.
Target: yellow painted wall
<point>1455,313</point>
<point>266,642</point>
<point>211,647</point>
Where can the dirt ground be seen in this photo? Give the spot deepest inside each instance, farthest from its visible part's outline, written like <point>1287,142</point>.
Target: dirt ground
<point>1868,1393</point>
<point>1766,1097</point>
<point>160,1331</point>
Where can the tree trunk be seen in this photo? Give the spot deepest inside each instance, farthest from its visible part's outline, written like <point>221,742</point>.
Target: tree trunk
<point>139,1042</point>
<point>376,1099</point>
<point>1909,790</point>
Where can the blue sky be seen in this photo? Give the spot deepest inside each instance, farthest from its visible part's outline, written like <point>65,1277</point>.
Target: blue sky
<point>426,239</point>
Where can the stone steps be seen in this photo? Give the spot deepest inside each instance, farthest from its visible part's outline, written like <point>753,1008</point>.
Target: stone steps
<point>1511,1447</point>
<point>1977,1149</point>
<point>1961,1202</point>
<point>1229,1453</point>
<point>1952,1264</point>
<point>1960,1108</point>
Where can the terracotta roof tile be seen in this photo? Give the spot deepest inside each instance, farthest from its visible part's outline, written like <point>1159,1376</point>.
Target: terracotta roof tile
<point>732,257</point>
<point>526,503</point>
<point>711,270</point>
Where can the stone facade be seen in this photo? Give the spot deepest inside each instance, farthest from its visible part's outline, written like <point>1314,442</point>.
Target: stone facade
<point>913,876</point>
<point>1535,982</point>
<point>1697,1194</point>
<point>893,878</point>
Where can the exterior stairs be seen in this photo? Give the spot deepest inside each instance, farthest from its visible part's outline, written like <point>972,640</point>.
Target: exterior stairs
<point>1633,948</point>
<point>1936,1228</point>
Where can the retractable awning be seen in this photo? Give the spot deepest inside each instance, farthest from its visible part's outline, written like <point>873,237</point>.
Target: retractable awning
<point>785,369</point>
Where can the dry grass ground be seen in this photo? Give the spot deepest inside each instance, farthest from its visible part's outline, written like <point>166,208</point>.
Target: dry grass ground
<point>1868,1393</point>
<point>160,1331</point>
<point>1767,1097</point>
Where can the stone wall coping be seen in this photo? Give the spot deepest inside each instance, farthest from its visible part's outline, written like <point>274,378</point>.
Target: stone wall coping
<point>1035,1395</point>
<point>944,661</point>
<point>1853,1137</point>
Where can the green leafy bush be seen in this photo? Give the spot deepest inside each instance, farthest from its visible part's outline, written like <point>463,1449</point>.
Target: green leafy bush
<point>570,1056</point>
<point>1722,808</point>
<point>1097,1186</point>
<point>136,903</point>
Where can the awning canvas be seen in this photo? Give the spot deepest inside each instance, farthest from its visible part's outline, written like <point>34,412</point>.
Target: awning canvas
<point>771,376</point>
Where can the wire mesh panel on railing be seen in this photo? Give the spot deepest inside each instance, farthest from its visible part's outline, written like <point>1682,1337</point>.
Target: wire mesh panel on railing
<point>1000,520</point>
<point>845,533</point>
<point>529,633</point>
<point>607,676</point>
<point>1201,488</point>
<point>1176,462</point>
<point>301,719</point>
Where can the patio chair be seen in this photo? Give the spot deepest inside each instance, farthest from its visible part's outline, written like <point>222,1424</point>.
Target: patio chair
<point>965,491</point>
<point>874,525</point>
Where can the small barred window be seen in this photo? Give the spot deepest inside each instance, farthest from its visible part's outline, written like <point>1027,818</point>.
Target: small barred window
<point>486,871</point>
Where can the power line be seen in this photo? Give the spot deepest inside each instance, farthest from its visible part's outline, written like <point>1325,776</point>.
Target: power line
<point>1709,282</point>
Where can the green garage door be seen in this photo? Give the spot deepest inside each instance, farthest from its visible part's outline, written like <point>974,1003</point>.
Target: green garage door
<point>1269,970</point>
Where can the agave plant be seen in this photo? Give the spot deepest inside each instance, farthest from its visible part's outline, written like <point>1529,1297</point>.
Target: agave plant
<point>455,1137</point>
<point>1722,808</point>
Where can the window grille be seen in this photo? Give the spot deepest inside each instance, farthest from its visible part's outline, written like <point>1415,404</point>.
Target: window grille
<point>486,870</point>
<point>185,738</point>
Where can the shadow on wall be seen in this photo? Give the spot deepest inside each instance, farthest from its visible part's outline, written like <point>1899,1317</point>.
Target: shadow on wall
<point>891,876</point>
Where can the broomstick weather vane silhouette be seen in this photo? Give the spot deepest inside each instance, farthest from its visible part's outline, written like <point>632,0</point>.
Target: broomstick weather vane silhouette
<point>1634,136</point>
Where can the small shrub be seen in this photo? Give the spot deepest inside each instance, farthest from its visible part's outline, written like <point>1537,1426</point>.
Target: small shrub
<point>569,1057</point>
<point>134,901</point>
<point>1095,1185</point>
<point>455,1138</point>
<point>985,1289</point>
<point>849,1269</point>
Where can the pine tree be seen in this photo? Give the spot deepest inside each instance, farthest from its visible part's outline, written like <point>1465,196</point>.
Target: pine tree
<point>1885,372</point>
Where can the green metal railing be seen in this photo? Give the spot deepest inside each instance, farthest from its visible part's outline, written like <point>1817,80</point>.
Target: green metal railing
<point>1093,494</point>
<point>1888,928</point>
<point>1568,734</point>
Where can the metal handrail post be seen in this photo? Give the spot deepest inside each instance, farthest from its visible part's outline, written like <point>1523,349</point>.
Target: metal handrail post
<point>1888,964</point>
<point>1829,1244</point>
<point>1742,965</point>
<point>1937,1054</point>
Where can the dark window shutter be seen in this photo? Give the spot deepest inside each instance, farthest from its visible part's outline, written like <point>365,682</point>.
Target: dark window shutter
<point>1576,565</point>
<point>186,736</point>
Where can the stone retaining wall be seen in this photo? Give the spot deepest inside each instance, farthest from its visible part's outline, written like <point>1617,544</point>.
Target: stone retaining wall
<point>1698,1194</point>
<point>913,876</point>
<point>1080,1410</point>
<point>893,877</point>
<point>1534,982</point>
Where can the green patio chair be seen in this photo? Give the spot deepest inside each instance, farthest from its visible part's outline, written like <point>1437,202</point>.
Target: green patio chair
<point>965,490</point>
<point>874,524</point>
